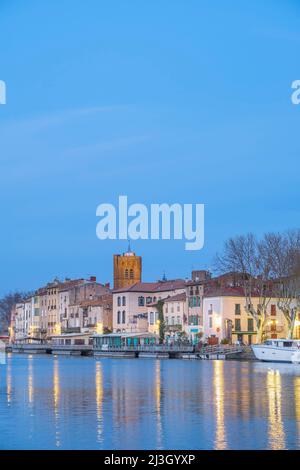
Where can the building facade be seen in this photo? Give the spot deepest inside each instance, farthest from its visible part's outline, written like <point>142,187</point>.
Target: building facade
<point>225,318</point>
<point>133,306</point>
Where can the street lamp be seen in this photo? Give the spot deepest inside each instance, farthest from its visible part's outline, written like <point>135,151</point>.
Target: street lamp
<point>57,329</point>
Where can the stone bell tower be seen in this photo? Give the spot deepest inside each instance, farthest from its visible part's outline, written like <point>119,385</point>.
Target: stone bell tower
<point>127,269</point>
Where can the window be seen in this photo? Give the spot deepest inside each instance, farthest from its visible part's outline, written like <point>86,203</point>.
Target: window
<point>178,320</point>
<point>148,300</point>
<point>167,320</point>
<point>141,301</point>
<point>119,301</point>
<point>273,309</point>
<point>178,308</point>
<point>237,309</point>
<point>123,316</point>
<point>123,300</point>
<point>210,322</point>
<point>119,317</point>
<point>131,274</point>
<point>250,324</point>
<point>237,324</point>
<point>167,308</point>
<point>151,318</point>
<point>126,273</point>
<point>173,320</point>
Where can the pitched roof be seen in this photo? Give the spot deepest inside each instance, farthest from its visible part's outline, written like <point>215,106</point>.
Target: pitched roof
<point>176,298</point>
<point>234,292</point>
<point>104,299</point>
<point>153,287</point>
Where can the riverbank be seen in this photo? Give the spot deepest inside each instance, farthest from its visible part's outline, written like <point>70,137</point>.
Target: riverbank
<point>154,352</point>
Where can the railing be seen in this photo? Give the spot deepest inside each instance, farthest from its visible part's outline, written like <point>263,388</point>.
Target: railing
<point>55,347</point>
<point>71,347</point>
<point>147,348</point>
<point>220,349</point>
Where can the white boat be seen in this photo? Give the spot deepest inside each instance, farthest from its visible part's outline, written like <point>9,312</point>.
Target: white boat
<point>278,350</point>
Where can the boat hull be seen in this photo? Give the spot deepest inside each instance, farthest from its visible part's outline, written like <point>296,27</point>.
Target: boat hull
<point>273,354</point>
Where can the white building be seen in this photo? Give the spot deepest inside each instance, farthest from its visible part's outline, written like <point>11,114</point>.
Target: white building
<point>24,319</point>
<point>133,304</point>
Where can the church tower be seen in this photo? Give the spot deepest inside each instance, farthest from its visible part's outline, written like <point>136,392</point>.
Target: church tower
<point>127,269</point>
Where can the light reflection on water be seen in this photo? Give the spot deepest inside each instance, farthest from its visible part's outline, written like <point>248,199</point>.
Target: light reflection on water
<point>276,430</point>
<point>51,402</point>
<point>220,440</point>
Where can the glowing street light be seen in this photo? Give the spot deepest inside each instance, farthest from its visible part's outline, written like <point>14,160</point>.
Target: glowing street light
<point>99,328</point>
<point>57,329</point>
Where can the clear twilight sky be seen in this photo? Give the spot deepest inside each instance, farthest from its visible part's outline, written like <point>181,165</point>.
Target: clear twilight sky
<point>163,101</point>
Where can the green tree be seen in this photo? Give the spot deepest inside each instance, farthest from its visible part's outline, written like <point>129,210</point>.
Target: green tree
<point>162,325</point>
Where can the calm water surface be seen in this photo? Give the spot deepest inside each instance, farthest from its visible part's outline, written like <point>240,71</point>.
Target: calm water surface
<point>51,402</point>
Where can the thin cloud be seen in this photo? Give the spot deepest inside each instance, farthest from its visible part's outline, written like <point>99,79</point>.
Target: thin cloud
<point>37,124</point>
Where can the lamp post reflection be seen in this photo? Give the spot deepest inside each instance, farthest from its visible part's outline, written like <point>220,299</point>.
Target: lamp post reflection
<point>158,398</point>
<point>56,399</point>
<point>297,404</point>
<point>218,377</point>
<point>276,431</point>
<point>99,400</point>
<point>8,380</point>
<point>30,380</point>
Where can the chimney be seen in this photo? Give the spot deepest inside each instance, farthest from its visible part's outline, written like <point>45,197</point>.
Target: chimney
<point>93,279</point>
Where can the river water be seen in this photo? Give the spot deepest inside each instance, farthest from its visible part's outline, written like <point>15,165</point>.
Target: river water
<point>49,402</point>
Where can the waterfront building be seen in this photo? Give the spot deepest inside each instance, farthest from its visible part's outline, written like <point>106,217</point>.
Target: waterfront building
<point>88,305</point>
<point>72,339</point>
<point>131,304</point>
<point>17,323</point>
<point>194,299</point>
<point>119,340</point>
<point>43,310</point>
<point>59,295</point>
<point>175,312</point>
<point>96,315</point>
<point>225,317</point>
<point>127,269</point>
<point>23,319</point>
<point>35,318</point>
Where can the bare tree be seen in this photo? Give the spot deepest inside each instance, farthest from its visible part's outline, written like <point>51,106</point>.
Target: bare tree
<point>283,252</point>
<point>244,255</point>
<point>6,304</point>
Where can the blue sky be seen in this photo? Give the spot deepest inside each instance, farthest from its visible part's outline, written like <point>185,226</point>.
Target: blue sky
<point>164,101</point>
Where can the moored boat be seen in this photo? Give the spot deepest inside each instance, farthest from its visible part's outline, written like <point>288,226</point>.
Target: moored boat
<point>278,350</point>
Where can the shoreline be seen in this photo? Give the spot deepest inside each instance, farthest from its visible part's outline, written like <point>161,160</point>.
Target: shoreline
<point>130,354</point>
